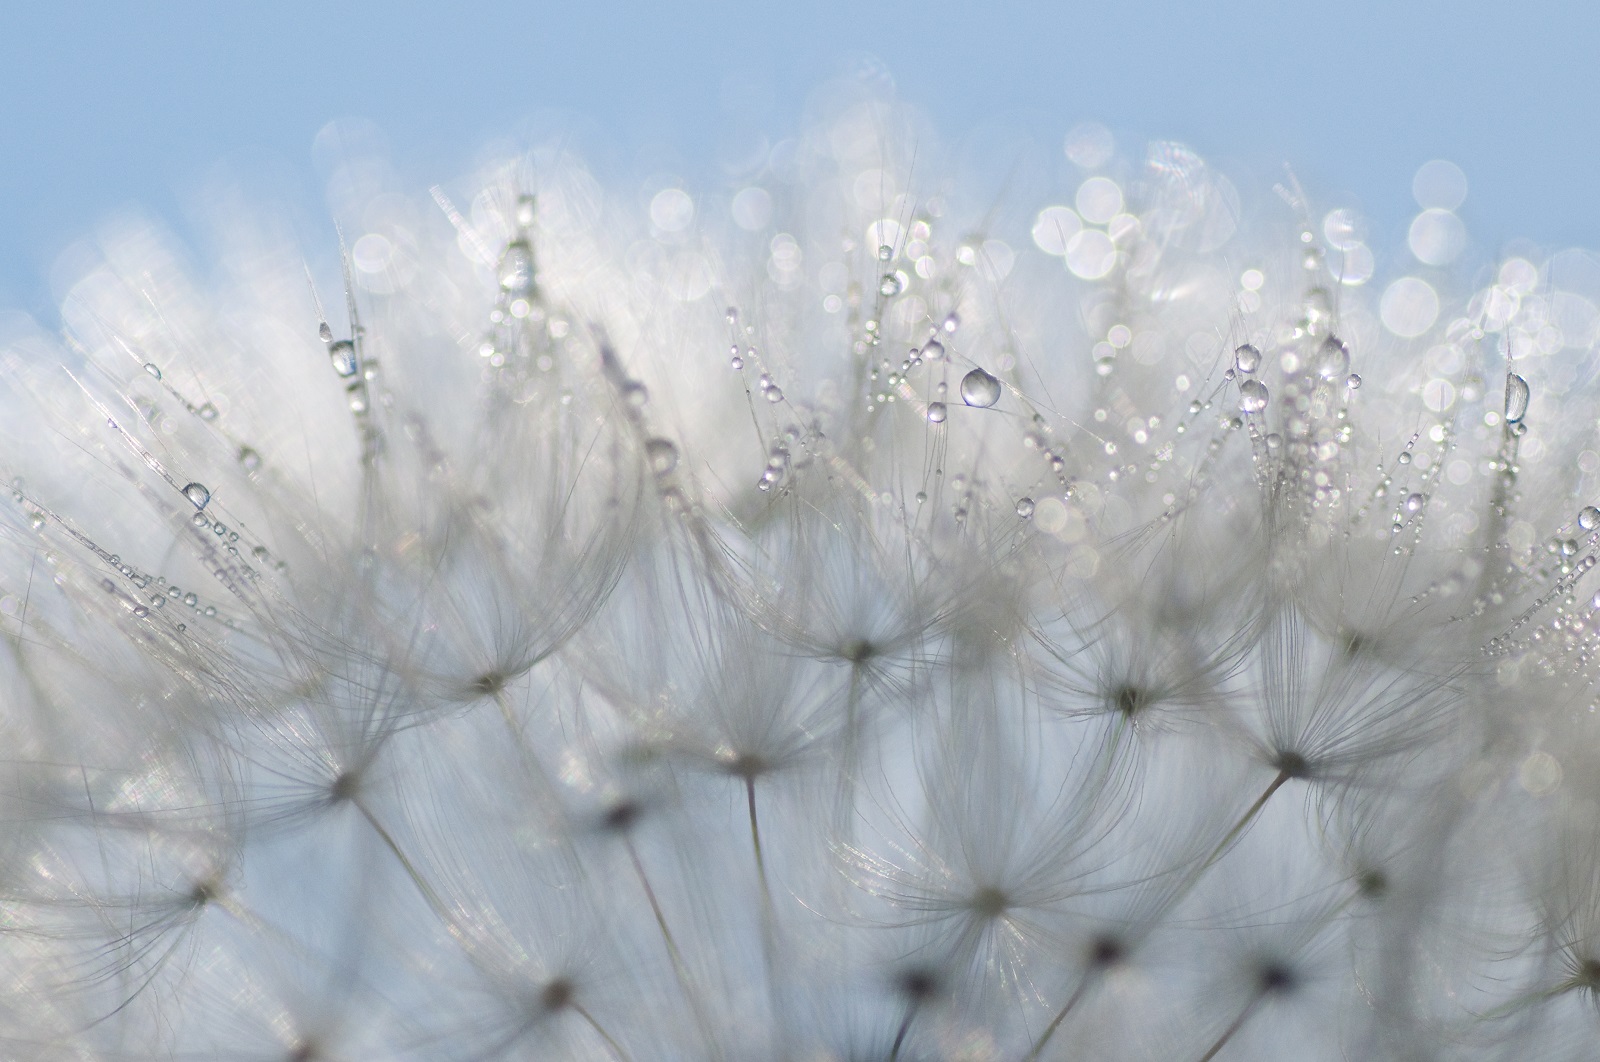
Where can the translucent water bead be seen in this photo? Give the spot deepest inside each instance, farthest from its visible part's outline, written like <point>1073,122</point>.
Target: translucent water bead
<point>1247,358</point>
<point>980,389</point>
<point>1516,398</point>
<point>1252,396</point>
<point>198,494</point>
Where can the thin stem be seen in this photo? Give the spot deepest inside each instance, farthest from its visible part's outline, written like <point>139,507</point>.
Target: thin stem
<point>1239,827</point>
<point>616,1048</point>
<point>1061,1016</point>
<point>1238,1023</point>
<point>905,1027</point>
<point>755,840</point>
<point>428,894</point>
<point>851,749</point>
<point>769,918</point>
<point>679,969</point>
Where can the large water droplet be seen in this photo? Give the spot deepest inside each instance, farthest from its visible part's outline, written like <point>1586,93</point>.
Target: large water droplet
<point>933,350</point>
<point>343,356</point>
<point>662,455</point>
<point>1413,503</point>
<point>980,389</point>
<point>1516,398</point>
<point>889,286</point>
<point>249,460</point>
<point>937,412</point>
<point>1588,518</point>
<point>197,493</point>
<point>1252,396</point>
<point>1025,507</point>
<point>153,369</point>
<point>516,268</point>
<point>1247,358</point>
<point>1333,359</point>
<point>952,321</point>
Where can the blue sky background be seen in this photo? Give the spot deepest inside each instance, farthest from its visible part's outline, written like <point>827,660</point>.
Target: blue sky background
<point>105,106</point>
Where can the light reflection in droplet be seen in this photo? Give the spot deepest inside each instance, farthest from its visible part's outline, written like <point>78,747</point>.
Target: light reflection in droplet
<point>1054,227</point>
<point>1099,200</point>
<point>1091,254</point>
<point>671,210</point>
<point>1409,307</point>
<point>1439,185</point>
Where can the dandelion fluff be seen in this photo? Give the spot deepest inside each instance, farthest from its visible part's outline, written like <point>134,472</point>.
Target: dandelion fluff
<point>832,617</point>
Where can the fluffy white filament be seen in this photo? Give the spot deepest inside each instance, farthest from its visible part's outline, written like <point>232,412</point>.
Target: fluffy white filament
<point>885,628</point>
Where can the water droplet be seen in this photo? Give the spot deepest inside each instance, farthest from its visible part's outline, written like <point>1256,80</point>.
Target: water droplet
<point>936,412</point>
<point>343,356</point>
<point>736,362</point>
<point>889,286</point>
<point>1333,359</point>
<point>1413,503</point>
<point>885,252</point>
<point>635,394</point>
<point>980,389</point>
<point>527,210</point>
<point>516,268</point>
<point>1025,507</point>
<point>140,611</point>
<point>151,368</point>
<point>249,460</point>
<point>933,350</point>
<point>207,412</point>
<point>922,496</point>
<point>197,493</point>
<point>1247,358</point>
<point>356,393</point>
<point>1252,396</point>
<point>191,600</point>
<point>952,321</point>
<point>1405,457</point>
<point>1589,518</point>
<point>324,332</point>
<point>662,455</point>
<point>1353,381</point>
<point>774,393</point>
<point>1105,366</point>
<point>732,315</point>
<point>1516,398</point>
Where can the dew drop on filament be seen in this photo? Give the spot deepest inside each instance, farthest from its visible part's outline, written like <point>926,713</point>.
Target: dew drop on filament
<point>1516,398</point>
<point>1247,358</point>
<point>980,389</point>
<point>343,356</point>
<point>1252,396</point>
<point>198,494</point>
<point>1333,359</point>
<point>662,455</point>
<point>1589,518</point>
<point>1025,507</point>
<point>516,268</point>
<point>936,412</point>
